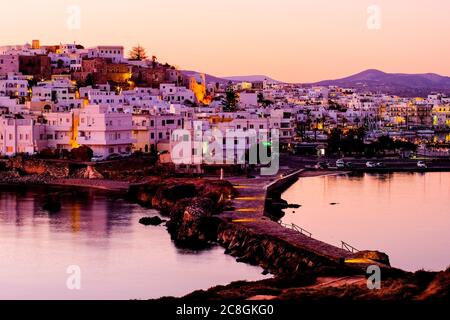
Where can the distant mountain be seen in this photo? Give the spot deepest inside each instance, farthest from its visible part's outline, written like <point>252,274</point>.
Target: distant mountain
<point>224,80</point>
<point>408,85</point>
<point>209,78</point>
<point>252,78</point>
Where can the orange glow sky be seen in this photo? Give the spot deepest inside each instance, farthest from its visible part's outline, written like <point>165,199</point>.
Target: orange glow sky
<point>290,40</point>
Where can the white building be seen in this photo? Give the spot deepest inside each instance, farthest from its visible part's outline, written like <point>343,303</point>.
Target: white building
<point>15,85</point>
<point>9,64</point>
<point>105,132</point>
<point>174,94</point>
<point>60,132</point>
<point>20,136</point>
<point>115,53</point>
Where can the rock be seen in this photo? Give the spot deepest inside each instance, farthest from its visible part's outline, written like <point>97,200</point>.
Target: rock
<point>439,288</point>
<point>151,221</point>
<point>192,223</point>
<point>376,256</point>
<point>92,173</point>
<point>40,167</point>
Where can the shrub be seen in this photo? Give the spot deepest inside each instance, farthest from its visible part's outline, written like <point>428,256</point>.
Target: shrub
<point>83,153</point>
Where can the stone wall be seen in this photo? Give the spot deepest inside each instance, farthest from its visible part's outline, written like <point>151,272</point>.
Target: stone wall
<point>272,254</point>
<point>40,167</point>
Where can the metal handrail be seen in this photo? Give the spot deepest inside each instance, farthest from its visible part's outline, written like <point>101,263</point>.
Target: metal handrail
<point>348,247</point>
<point>297,228</point>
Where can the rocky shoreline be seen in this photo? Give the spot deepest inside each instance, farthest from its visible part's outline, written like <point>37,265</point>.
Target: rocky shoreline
<point>195,210</point>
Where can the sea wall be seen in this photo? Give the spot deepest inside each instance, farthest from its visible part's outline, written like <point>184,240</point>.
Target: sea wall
<point>274,204</point>
<point>274,255</point>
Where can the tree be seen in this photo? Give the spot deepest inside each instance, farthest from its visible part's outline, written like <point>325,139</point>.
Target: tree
<point>231,99</point>
<point>263,101</point>
<point>83,153</point>
<point>90,81</point>
<point>138,53</point>
<point>60,63</point>
<point>154,59</point>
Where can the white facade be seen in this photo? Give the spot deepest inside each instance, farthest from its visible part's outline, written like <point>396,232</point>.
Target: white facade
<point>20,136</point>
<point>60,130</point>
<point>115,53</point>
<point>103,131</point>
<point>14,86</point>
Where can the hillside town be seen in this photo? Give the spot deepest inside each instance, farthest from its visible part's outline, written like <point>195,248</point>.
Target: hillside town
<point>56,98</point>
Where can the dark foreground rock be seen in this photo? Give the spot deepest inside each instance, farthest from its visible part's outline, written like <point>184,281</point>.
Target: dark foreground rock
<point>151,221</point>
<point>164,194</point>
<point>191,204</point>
<point>192,222</point>
<point>421,285</point>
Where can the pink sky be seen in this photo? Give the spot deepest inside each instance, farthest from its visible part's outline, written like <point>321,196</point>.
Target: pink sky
<point>290,40</point>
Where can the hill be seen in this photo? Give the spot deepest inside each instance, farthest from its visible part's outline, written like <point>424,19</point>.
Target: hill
<point>401,84</point>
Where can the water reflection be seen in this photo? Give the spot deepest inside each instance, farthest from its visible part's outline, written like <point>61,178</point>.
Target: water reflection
<point>118,257</point>
<point>405,215</point>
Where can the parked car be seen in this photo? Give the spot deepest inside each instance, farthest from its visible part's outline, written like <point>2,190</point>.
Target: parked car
<point>380,165</point>
<point>371,164</point>
<point>114,156</point>
<point>97,158</point>
<point>322,165</point>
<point>349,165</point>
<point>340,164</point>
<point>125,154</point>
<point>422,165</point>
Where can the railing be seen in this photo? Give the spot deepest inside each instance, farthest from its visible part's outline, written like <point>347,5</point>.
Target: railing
<point>297,228</point>
<point>348,247</point>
